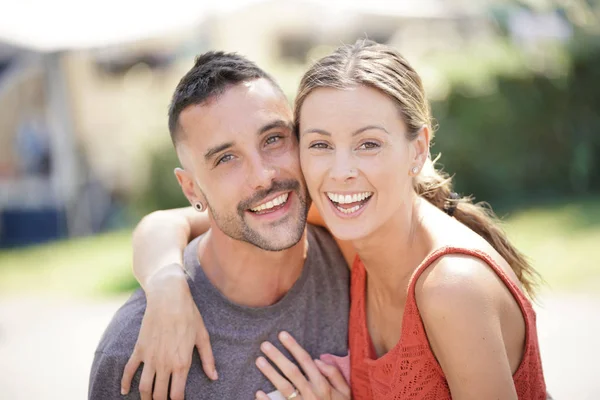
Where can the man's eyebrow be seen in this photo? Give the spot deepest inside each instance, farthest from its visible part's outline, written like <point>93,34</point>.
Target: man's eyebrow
<point>216,149</point>
<point>276,124</point>
<point>357,132</point>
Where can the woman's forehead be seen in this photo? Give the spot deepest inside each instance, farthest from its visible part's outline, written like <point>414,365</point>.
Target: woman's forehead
<point>347,108</point>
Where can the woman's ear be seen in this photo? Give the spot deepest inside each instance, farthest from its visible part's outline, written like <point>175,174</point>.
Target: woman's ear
<point>421,146</point>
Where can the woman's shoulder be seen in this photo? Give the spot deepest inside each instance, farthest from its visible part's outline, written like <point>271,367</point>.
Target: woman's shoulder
<point>464,280</point>
<point>456,278</point>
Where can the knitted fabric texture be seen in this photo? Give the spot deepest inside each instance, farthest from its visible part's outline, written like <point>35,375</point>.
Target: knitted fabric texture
<point>409,371</point>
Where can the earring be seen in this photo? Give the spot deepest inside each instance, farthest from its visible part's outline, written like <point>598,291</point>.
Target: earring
<point>199,207</point>
<point>414,170</point>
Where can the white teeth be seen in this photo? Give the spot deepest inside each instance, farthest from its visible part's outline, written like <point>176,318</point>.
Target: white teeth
<point>272,203</point>
<point>347,199</point>
<point>349,210</point>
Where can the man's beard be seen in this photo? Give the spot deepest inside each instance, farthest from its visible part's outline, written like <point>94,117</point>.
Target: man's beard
<point>235,226</point>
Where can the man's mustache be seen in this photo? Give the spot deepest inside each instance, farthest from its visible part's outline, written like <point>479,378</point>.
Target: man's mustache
<point>287,185</point>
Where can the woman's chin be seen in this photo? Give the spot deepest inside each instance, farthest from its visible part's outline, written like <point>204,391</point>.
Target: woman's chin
<point>347,230</point>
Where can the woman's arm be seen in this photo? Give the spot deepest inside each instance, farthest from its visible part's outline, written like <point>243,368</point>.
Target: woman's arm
<point>160,237</point>
<point>172,325</point>
<point>458,300</point>
<point>159,240</point>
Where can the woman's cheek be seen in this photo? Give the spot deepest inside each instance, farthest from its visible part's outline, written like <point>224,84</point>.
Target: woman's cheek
<point>313,172</point>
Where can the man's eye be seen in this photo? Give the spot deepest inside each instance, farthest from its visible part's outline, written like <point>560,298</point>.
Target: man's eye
<point>368,146</point>
<point>319,145</point>
<point>224,159</point>
<point>273,139</point>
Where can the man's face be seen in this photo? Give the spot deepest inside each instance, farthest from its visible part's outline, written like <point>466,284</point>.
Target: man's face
<point>241,158</point>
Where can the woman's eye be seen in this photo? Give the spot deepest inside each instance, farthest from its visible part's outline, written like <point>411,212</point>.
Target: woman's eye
<point>368,146</point>
<point>224,159</point>
<point>319,145</point>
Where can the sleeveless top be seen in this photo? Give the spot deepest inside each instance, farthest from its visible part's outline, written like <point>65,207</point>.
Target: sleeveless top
<point>410,370</point>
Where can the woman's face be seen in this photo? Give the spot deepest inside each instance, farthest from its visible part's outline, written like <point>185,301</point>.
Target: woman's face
<point>356,158</point>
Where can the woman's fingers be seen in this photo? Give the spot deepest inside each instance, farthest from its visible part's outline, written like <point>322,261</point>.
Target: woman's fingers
<point>304,359</point>
<point>289,369</point>
<point>324,381</point>
<point>130,368</point>
<point>178,381</point>
<point>335,377</point>
<point>260,395</point>
<point>283,385</point>
<point>147,382</point>
<point>205,350</point>
<point>161,385</point>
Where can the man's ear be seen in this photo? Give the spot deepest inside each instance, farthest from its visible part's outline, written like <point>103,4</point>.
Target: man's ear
<point>188,188</point>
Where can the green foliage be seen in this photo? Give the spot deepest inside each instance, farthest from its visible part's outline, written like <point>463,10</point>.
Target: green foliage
<point>162,190</point>
<point>533,137</point>
<point>509,131</point>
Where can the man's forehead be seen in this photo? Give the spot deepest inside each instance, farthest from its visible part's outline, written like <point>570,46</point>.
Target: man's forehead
<point>249,104</point>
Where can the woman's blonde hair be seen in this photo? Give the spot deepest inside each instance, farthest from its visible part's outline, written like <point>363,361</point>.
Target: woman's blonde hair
<point>383,68</point>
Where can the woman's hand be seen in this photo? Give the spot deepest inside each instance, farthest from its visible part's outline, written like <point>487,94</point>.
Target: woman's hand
<point>171,327</point>
<point>322,381</point>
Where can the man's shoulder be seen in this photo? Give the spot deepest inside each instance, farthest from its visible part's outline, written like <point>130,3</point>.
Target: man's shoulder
<point>115,348</point>
<point>120,336</point>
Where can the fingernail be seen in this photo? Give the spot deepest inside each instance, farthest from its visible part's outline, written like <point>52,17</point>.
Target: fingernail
<point>266,346</point>
<point>214,375</point>
<point>284,336</point>
<point>261,362</point>
<point>123,392</point>
<point>319,362</point>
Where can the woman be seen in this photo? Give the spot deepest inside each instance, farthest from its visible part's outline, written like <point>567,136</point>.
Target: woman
<point>439,309</point>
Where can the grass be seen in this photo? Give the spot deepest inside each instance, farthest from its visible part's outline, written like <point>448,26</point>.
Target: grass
<point>91,266</point>
<point>560,239</point>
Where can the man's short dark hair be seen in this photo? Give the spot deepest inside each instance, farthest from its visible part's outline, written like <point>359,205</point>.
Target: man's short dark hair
<point>212,73</point>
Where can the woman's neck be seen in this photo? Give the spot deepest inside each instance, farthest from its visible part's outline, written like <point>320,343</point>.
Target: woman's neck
<point>392,253</point>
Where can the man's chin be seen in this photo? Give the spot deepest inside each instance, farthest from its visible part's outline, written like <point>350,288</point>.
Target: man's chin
<point>277,239</point>
<point>275,245</point>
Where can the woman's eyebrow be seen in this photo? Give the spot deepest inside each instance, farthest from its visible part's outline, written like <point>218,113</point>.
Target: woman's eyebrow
<point>357,132</point>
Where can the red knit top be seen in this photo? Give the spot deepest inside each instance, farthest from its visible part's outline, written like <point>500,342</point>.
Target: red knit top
<point>409,370</point>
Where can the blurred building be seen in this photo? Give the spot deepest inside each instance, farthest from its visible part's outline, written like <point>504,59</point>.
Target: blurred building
<point>80,112</point>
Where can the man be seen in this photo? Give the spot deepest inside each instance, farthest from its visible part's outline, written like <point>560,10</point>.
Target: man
<point>251,274</point>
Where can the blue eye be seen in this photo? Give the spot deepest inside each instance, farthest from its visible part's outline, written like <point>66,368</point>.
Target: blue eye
<point>369,146</point>
<point>273,139</point>
<point>224,159</point>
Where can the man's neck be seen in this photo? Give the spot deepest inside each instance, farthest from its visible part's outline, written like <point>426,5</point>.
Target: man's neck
<point>246,274</point>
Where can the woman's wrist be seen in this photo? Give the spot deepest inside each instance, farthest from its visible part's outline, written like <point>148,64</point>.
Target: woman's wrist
<point>168,278</point>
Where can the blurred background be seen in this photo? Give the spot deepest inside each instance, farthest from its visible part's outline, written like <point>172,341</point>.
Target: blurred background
<point>85,150</point>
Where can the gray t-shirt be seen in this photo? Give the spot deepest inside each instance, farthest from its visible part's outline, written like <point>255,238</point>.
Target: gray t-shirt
<point>314,311</point>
